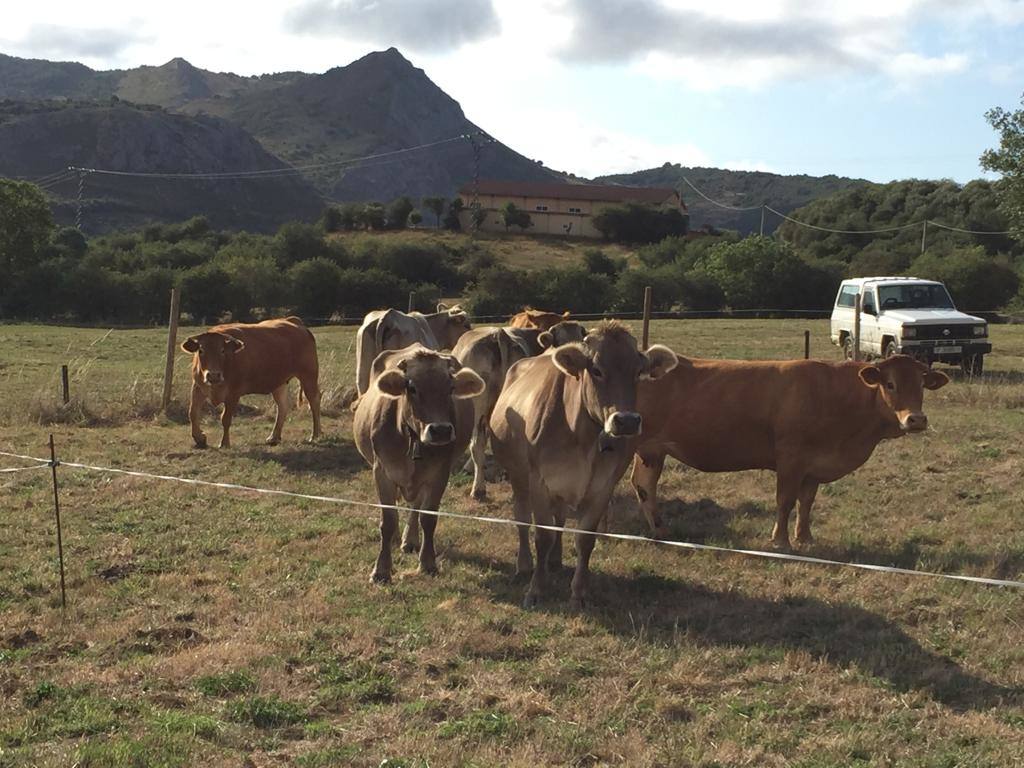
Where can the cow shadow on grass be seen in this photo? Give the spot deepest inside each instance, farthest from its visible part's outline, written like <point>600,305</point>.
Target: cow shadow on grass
<point>659,610</point>
<point>328,456</point>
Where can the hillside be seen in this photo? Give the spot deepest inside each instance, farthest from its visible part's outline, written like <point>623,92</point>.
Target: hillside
<point>40,138</point>
<point>736,188</point>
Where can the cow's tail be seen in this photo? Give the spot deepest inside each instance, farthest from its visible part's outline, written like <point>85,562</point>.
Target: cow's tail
<point>366,339</point>
<point>503,350</point>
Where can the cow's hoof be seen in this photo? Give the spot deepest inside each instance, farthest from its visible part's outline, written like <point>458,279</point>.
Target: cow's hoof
<point>660,532</point>
<point>781,545</point>
<point>380,577</point>
<point>480,494</point>
<point>201,445</point>
<point>428,570</point>
<point>410,546</point>
<point>531,600</point>
<point>805,542</point>
<point>273,440</point>
<point>577,603</point>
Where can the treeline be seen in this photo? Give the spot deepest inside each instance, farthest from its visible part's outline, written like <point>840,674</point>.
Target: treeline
<point>982,271</point>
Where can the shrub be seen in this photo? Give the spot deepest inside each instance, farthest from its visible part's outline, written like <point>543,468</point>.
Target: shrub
<point>639,223</point>
<point>598,262</point>
<point>315,287</point>
<point>976,282</point>
<point>297,242</point>
<point>398,213</point>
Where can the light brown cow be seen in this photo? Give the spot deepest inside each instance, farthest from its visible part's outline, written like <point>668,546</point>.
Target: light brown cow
<point>229,361</point>
<point>564,428</point>
<point>811,422</point>
<point>536,318</point>
<point>392,329</point>
<point>491,352</point>
<point>413,423</point>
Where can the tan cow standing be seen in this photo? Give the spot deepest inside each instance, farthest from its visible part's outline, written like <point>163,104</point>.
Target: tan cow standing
<point>536,318</point>
<point>411,425</point>
<point>392,329</point>
<point>810,422</point>
<point>491,352</point>
<point>564,428</point>
<point>229,361</point>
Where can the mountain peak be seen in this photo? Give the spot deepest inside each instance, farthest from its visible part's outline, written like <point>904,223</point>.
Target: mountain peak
<point>178,63</point>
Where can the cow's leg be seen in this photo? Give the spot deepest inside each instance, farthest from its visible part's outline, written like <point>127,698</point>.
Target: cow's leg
<point>590,518</point>
<point>555,556</point>
<point>477,448</point>
<point>195,415</point>
<point>281,399</point>
<point>787,488</point>
<point>808,490</point>
<point>311,389</point>
<point>544,540</point>
<point>387,493</point>
<point>521,511</point>
<point>646,473</point>
<point>411,534</point>
<point>230,403</point>
<point>428,557</point>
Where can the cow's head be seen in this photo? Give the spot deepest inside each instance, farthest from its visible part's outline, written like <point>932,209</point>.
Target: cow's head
<point>212,352</point>
<point>456,323</point>
<point>545,320</point>
<point>608,364</point>
<point>428,383</point>
<point>901,382</point>
<point>559,334</point>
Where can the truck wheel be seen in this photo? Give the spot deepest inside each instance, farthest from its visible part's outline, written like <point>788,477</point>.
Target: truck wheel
<point>972,365</point>
<point>890,350</point>
<point>848,348</point>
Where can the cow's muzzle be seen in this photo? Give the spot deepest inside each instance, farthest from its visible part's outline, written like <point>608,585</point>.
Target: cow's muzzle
<point>438,433</point>
<point>623,424</point>
<point>213,377</point>
<point>915,421</point>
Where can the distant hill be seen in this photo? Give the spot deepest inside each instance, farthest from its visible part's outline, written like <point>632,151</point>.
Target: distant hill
<point>378,104</point>
<point>39,138</point>
<point>740,189</point>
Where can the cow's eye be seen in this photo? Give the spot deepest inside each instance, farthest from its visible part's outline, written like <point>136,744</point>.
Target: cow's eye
<point>596,373</point>
<point>891,385</point>
<point>411,388</point>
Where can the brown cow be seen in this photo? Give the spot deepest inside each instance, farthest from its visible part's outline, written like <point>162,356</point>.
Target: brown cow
<point>229,361</point>
<point>491,352</point>
<point>811,422</point>
<point>536,318</point>
<point>411,425</point>
<point>393,329</point>
<point>564,428</point>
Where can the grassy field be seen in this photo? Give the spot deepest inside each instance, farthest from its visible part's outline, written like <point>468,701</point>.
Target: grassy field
<point>222,629</point>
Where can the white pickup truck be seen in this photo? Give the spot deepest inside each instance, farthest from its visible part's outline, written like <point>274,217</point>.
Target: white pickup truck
<point>909,316</point>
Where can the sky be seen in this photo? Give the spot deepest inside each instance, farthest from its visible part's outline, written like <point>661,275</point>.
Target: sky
<point>875,89</point>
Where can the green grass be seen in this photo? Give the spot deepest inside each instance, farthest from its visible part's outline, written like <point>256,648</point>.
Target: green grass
<point>205,626</point>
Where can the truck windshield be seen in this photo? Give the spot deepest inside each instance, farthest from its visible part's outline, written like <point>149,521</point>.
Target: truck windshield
<point>914,296</point>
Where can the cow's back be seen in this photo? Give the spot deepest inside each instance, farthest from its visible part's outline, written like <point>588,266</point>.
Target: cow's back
<point>275,351</point>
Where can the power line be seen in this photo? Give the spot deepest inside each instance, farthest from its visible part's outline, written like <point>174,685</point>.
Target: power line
<point>720,205</point>
<point>844,231</point>
<point>268,172</point>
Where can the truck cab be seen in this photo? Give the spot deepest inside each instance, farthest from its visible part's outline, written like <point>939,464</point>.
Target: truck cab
<point>908,316</point>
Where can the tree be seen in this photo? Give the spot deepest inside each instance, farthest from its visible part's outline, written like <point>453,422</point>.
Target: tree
<point>640,223</point>
<point>436,206</point>
<point>598,262</point>
<point>398,212</point>
<point>976,281</point>
<point>331,219</point>
<point>415,218</point>
<point>372,216</point>
<point>25,228</point>
<point>478,216</point>
<point>1008,160</point>
<point>511,216</point>
<point>451,220</point>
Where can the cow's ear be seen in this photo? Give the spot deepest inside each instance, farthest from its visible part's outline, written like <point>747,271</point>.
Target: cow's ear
<point>659,360</point>
<point>467,383</point>
<point>571,359</point>
<point>565,314</point>
<point>191,344</point>
<point>935,379</point>
<point>871,375</point>
<point>392,383</point>
<point>234,345</point>
<point>442,307</point>
<point>546,339</point>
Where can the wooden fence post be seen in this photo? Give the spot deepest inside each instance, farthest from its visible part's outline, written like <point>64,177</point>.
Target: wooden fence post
<point>412,300</point>
<point>64,384</point>
<point>856,326</point>
<point>807,345</point>
<point>647,317</point>
<point>172,343</point>
<point>56,513</point>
